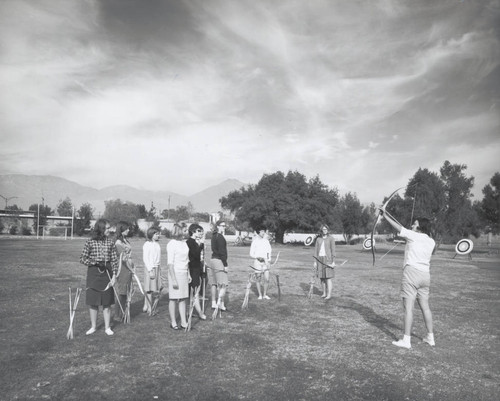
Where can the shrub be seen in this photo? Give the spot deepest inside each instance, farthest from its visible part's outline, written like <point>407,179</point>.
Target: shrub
<point>13,230</point>
<point>166,233</point>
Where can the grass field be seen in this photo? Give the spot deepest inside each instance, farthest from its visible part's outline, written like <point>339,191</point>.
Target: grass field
<point>295,349</point>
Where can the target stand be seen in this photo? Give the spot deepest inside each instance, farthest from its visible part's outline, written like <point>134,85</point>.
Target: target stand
<point>464,247</point>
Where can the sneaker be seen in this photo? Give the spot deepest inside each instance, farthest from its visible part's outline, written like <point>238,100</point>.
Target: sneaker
<point>203,317</point>
<point>214,305</point>
<point>90,331</point>
<point>260,297</point>
<point>266,297</point>
<point>402,344</point>
<point>429,341</point>
<point>222,307</point>
<point>109,332</point>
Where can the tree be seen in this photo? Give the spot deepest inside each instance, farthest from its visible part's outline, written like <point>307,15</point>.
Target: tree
<point>44,212</point>
<point>351,215</point>
<point>425,196</point>
<point>201,216</point>
<point>283,202</point>
<point>489,207</point>
<point>460,218</point>
<point>116,210</point>
<point>65,207</point>
<point>151,214</point>
<point>85,215</point>
<point>13,208</point>
<point>180,213</point>
<point>143,213</point>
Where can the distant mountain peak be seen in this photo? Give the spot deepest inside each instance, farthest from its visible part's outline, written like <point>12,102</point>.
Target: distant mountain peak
<point>30,189</point>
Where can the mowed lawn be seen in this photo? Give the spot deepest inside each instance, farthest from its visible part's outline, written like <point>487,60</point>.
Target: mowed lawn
<point>290,349</point>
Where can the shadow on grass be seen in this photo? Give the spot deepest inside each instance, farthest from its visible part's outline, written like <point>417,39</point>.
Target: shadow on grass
<point>306,286</point>
<point>380,322</point>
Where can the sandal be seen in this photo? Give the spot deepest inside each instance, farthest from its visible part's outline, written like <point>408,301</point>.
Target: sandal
<point>174,327</point>
<point>183,327</point>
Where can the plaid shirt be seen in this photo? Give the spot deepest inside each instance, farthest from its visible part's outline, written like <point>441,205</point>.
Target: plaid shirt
<point>103,251</point>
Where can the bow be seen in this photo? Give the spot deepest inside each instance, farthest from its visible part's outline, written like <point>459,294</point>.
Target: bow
<point>330,266</point>
<point>379,217</point>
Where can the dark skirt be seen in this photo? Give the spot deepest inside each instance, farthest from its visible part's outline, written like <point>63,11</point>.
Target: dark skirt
<point>124,279</point>
<point>97,280</point>
<point>325,272</point>
<point>195,277</point>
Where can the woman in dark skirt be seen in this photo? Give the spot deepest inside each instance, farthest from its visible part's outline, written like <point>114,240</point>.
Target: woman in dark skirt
<point>325,252</point>
<point>99,254</point>
<point>125,264</point>
<point>196,247</point>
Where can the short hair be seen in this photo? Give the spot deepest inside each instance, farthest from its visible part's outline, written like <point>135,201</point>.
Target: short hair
<point>100,229</point>
<point>259,228</point>
<point>217,224</point>
<point>321,229</point>
<point>193,228</point>
<point>151,231</point>
<point>121,227</point>
<point>424,225</point>
<point>178,232</point>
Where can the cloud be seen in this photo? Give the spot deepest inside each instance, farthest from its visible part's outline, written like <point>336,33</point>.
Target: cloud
<point>181,95</point>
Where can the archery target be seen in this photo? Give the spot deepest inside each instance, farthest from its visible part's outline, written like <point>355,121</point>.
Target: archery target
<point>464,246</point>
<point>308,241</point>
<point>367,243</point>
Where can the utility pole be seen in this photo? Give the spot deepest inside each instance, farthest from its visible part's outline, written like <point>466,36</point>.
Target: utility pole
<point>7,199</point>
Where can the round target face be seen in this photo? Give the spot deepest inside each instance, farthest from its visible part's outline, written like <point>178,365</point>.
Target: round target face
<point>309,241</point>
<point>367,243</point>
<point>464,246</point>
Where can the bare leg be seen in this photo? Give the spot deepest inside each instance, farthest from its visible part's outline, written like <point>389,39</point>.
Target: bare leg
<point>106,313</point>
<point>214,294</point>
<point>266,282</point>
<point>172,311</point>
<point>182,312</point>
<point>257,283</point>
<point>149,301</point>
<point>222,292</point>
<point>426,312</point>
<point>408,304</point>
<point>93,316</point>
<point>197,305</point>
<point>323,286</point>
<point>329,286</point>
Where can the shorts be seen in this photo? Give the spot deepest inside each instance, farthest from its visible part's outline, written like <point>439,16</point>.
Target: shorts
<point>415,283</point>
<point>261,268</point>
<point>218,275</point>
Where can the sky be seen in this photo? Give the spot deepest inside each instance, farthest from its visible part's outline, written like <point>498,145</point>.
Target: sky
<point>182,95</point>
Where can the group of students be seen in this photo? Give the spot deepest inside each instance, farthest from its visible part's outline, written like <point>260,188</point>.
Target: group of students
<point>110,271</point>
<point>110,265</point>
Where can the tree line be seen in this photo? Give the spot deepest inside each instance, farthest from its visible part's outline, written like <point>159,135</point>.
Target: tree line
<point>291,202</point>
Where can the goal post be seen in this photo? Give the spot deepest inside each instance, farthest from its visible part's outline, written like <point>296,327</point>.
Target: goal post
<point>55,231</point>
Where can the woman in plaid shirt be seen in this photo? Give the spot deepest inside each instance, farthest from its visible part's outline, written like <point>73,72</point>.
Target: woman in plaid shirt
<point>99,254</point>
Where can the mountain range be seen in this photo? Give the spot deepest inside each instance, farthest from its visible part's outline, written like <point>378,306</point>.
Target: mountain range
<point>25,190</point>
